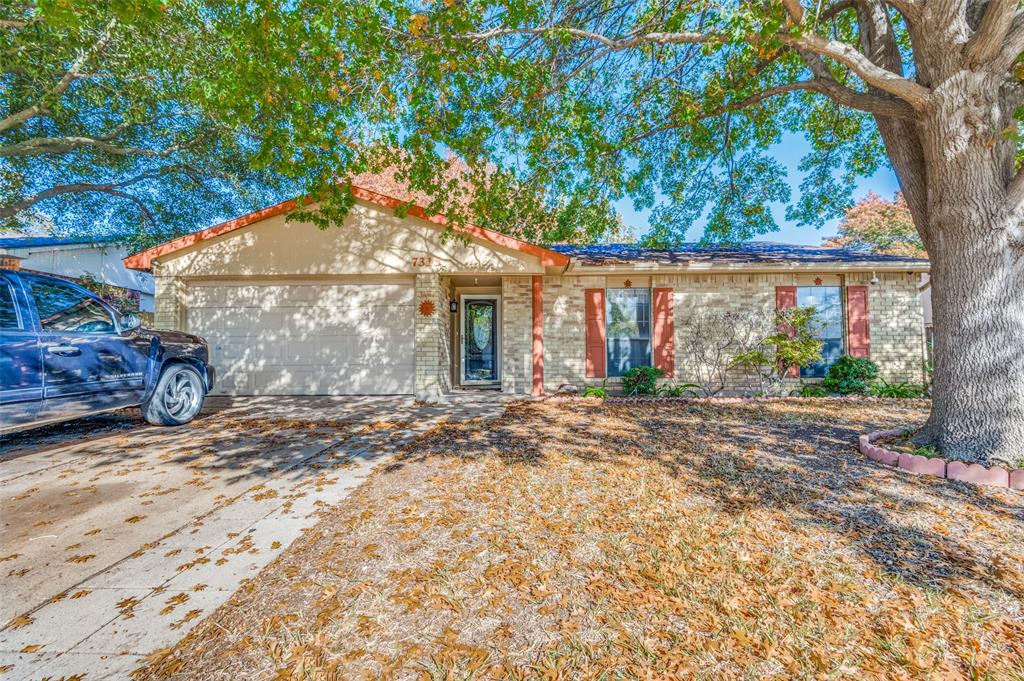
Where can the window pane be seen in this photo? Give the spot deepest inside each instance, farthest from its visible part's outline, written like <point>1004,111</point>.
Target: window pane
<point>62,308</point>
<point>8,315</point>
<point>828,303</point>
<point>629,329</point>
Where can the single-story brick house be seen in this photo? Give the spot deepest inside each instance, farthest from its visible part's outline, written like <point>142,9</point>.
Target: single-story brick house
<point>391,305</point>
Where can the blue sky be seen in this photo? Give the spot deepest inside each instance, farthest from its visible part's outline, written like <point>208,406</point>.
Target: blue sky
<point>789,152</point>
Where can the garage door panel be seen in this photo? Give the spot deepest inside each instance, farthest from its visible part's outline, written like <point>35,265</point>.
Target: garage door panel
<point>326,338</point>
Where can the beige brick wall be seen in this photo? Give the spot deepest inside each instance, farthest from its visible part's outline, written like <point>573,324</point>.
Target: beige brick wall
<point>431,382</point>
<point>169,295</point>
<point>565,330</point>
<point>894,309</point>
<point>516,335</point>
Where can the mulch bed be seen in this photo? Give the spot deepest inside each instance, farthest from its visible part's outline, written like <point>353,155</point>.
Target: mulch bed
<point>585,540</point>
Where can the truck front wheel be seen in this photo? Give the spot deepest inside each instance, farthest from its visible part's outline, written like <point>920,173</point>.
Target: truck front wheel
<point>178,397</point>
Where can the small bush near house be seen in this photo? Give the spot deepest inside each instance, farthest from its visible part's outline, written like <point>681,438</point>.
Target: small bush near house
<point>681,390</point>
<point>715,338</point>
<point>850,375</point>
<point>810,390</point>
<point>795,344</point>
<point>641,381</point>
<point>591,391</point>
<point>903,390</point>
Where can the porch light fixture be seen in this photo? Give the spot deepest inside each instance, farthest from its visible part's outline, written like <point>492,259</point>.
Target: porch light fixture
<point>874,278</point>
<point>453,306</point>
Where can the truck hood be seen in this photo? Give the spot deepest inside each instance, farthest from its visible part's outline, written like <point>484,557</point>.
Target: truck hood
<point>170,337</point>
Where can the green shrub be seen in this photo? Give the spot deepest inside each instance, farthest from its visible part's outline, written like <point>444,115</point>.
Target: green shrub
<point>641,381</point>
<point>681,390</point>
<point>810,390</point>
<point>591,391</point>
<point>850,375</point>
<point>795,344</point>
<point>904,390</point>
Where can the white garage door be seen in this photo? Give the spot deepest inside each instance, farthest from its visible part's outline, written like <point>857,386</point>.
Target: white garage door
<point>316,338</point>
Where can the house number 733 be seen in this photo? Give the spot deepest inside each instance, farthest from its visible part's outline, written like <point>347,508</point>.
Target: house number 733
<point>422,261</point>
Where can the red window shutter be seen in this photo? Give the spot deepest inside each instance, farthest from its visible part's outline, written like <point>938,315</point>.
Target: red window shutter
<point>664,332</point>
<point>785,297</point>
<point>595,343</point>
<point>857,321</point>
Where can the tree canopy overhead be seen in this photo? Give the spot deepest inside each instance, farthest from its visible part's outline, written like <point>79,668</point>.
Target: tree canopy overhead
<point>156,117</point>
<point>109,121</point>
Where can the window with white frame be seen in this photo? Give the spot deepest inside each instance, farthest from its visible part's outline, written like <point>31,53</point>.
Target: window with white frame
<point>828,304</point>
<point>628,329</point>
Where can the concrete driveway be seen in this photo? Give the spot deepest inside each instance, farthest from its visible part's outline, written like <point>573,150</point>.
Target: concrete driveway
<point>118,537</point>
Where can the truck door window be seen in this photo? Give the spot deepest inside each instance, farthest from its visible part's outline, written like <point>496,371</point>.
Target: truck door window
<point>8,313</point>
<point>63,308</point>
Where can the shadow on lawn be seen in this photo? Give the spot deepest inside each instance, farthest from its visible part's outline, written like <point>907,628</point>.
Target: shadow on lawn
<point>745,457</point>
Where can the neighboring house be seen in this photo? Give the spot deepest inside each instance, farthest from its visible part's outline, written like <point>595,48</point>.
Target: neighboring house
<point>383,304</point>
<point>74,257</point>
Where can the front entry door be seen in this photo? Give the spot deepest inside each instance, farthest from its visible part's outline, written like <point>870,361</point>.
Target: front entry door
<point>480,339</point>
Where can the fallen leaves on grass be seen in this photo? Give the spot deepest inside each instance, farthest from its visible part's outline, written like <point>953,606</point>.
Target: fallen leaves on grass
<point>639,541</point>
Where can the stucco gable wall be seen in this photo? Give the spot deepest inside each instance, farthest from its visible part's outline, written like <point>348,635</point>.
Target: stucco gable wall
<point>371,241</point>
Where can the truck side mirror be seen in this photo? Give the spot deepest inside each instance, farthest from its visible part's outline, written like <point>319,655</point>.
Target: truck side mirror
<point>130,322</point>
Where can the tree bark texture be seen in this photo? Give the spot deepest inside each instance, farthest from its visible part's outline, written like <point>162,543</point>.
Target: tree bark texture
<point>973,237</point>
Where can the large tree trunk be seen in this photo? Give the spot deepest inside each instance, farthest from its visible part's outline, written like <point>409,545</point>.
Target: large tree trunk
<point>977,275</point>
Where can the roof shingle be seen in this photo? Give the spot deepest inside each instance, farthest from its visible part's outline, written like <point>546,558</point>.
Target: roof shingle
<point>753,252</point>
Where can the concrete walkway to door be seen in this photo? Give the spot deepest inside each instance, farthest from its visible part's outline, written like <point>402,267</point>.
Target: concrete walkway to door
<point>118,537</point>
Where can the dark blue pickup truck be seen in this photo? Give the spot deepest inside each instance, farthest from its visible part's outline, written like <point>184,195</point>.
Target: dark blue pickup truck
<point>64,354</point>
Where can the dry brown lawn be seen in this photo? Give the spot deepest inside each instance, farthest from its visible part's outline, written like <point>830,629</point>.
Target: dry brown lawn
<point>586,540</point>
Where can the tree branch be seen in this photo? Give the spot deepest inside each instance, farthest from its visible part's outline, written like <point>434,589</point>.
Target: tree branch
<point>876,76</point>
<point>795,10</point>
<point>62,85</point>
<point>910,9</point>
<point>987,42</point>
<point>1013,47</point>
<point>113,188</point>
<point>681,38</point>
<point>874,104</point>
<point>62,145</point>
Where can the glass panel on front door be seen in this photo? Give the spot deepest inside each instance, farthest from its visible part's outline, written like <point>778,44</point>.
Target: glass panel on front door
<point>479,340</point>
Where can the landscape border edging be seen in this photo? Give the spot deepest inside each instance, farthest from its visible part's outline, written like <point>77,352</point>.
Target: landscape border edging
<point>972,473</point>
